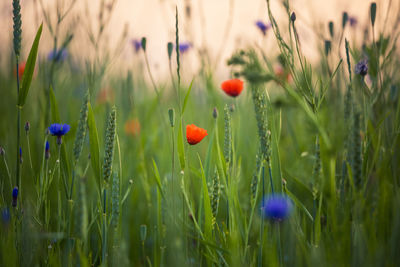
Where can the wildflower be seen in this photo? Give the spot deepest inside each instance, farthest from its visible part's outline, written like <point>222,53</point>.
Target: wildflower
<point>59,130</point>
<point>15,196</point>
<point>282,74</point>
<point>353,21</point>
<point>21,69</point>
<point>132,127</point>
<point>2,151</point>
<point>276,207</point>
<point>137,45</point>
<point>5,216</point>
<point>184,47</point>
<point>27,126</point>
<point>362,67</point>
<point>47,150</point>
<point>20,156</point>
<point>195,134</point>
<point>106,95</point>
<point>232,87</point>
<point>57,55</point>
<point>262,26</point>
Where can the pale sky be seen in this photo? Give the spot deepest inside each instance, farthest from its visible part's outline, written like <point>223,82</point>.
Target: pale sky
<point>155,19</point>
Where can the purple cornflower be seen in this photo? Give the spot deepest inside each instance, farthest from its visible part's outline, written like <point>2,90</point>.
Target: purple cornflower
<point>57,55</point>
<point>362,67</point>
<point>47,150</point>
<point>15,196</point>
<point>59,130</point>
<point>137,44</point>
<point>276,207</point>
<point>184,47</point>
<point>262,26</point>
<point>353,21</point>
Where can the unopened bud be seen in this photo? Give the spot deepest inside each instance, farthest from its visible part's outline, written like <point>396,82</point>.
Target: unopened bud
<point>215,113</point>
<point>293,17</point>
<point>27,126</point>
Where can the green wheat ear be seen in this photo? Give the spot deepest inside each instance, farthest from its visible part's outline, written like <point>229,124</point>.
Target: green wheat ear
<point>228,135</point>
<point>109,144</point>
<point>215,195</point>
<point>254,182</point>
<point>115,197</point>
<point>82,125</point>
<point>17,30</point>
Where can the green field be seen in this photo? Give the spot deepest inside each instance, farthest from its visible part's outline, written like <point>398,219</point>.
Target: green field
<point>131,185</point>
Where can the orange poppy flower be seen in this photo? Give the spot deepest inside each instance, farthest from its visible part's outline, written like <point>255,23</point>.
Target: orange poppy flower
<point>132,127</point>
<point>105,95</point>
<point>21,69</point>
<point>283,74</point>
<point>194,134</point>
<point>232,87</point>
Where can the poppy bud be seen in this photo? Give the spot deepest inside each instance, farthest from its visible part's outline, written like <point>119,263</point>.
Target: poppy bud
<point>293,17</point>
<point>373,13</point>
<point>215,113</point>
<point>328,46</point>
<point>171,114</point>
<point>330,26</point>
<point>144,42</point>
<point>170,47</point>
<point>345,18</point>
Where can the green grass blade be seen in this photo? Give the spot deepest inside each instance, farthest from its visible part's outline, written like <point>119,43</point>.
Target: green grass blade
<point>207,205</point>
<point>158,180</point>
<point>29,69</point>
<point>181,147</point>
<point>187,96</point>
<point>94,144</point>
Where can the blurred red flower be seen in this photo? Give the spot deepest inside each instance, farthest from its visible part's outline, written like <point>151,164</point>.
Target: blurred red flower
<point>195,134</point>
<point>232,87</point>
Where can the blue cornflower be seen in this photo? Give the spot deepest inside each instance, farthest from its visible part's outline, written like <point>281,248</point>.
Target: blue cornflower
<point>353,21</point>
<point>47,150</point>
<point>276,207</point>
<point>5,216</point>
<point>20,155</point>
<point>262,26</point>
<point>57,55</point>
<point>137,45</point>
<point>184,47</point>
<point>15,196</point>
<point>59,130</point>
<point>362,67</point>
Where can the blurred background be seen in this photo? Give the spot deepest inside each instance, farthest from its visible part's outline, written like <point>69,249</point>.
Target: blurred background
<point>214,28</point>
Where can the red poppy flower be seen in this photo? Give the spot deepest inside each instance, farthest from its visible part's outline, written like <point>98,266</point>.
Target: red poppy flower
<point>21,69</point>
<point>232,87</point>
<point>195,134</point>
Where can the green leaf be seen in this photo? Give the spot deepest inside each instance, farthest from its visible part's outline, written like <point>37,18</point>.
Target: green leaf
<point>94,144</point>
<point>181,148</point>
<point>29,69</point>
<point>157,176</point>
<point>187,97</point>
<point>207,206</point>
